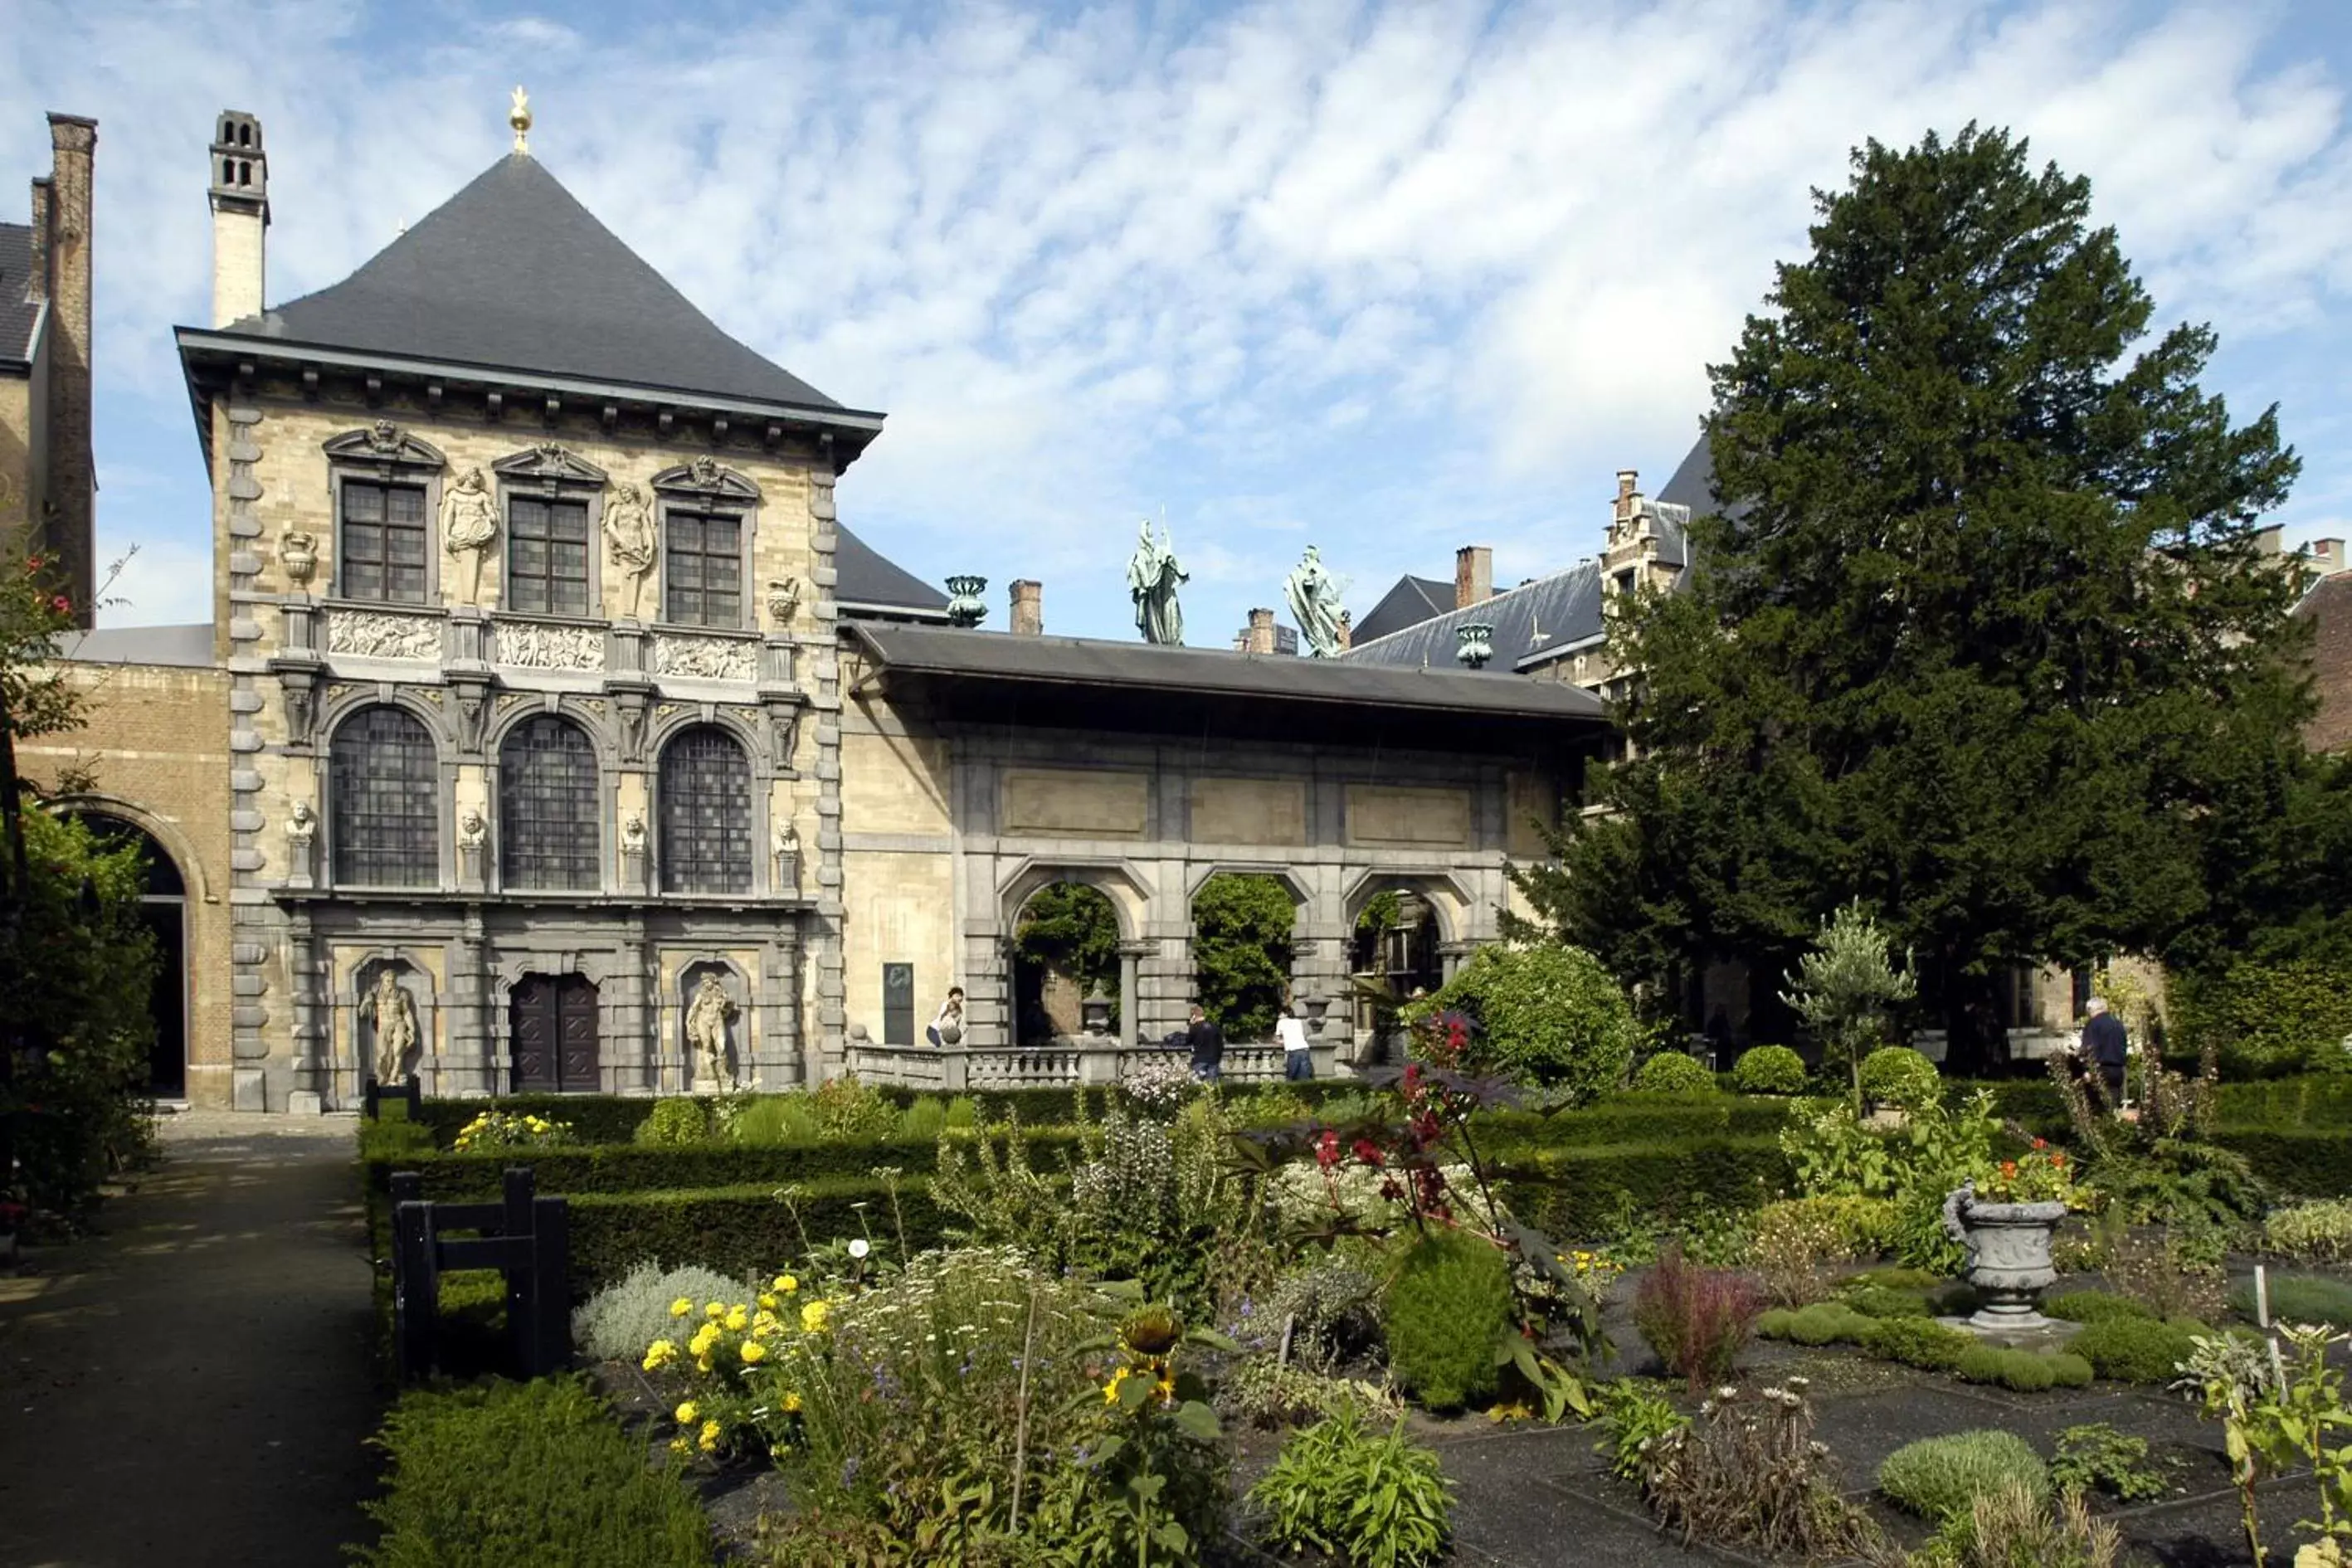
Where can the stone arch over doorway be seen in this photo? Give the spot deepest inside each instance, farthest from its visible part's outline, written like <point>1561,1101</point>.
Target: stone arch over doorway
<point>164,910</point>
<point>1244,1004</point>
<point>1402,941</point>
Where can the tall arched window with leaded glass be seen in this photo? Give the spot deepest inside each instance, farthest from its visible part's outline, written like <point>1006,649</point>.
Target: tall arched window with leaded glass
<point>549,824</point>
<point>706,814</point>
<point>384,801</point>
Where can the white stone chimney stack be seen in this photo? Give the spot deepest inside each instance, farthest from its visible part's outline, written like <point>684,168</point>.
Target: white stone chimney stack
<point>240,200</point>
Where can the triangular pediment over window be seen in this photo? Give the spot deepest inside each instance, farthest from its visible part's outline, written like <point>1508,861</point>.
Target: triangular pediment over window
<point>707,477</point>
<point>385,443</point>
<point>559,464</point>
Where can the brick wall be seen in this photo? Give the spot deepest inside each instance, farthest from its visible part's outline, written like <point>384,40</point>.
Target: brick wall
<point>2328,608</point>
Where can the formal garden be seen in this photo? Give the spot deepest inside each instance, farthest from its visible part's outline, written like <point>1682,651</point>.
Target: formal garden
<point>1549,1275</point>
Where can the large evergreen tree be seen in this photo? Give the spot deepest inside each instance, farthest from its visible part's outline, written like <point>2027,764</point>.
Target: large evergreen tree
<point>1983,637</point>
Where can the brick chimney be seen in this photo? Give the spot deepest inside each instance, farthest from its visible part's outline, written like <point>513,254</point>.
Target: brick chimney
<point>1473,575</point>
<point>1028,609</point>
<point>2327,555</point>
<point>37,285</point>
<point>70,499</point>
<point>240,201</point>
<point>1259,638</point>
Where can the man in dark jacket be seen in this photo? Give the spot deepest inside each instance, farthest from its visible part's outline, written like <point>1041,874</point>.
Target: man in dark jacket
<point>2105,1045</point>
<point>1208,1043</point>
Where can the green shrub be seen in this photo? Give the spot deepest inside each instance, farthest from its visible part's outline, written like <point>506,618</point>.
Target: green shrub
<point>848,1111</point>
<point>1671,1072</point>
<point>2098,1457</point>
<point>740,1230</point>
<point>2020,1370</point>
<point>502,1473</point>
<point>777,1121</point>
<point>1877,1301</point>
<point>1920,1343</point>
<point>684,1119</point>
<point>1899,1076</point>
<point>1937,1477</point>
<point>2262,1018</point>
<point>2299,1299</point>
<point>2012,1527</point>
<point>2092,1307</point>
<point>1364,1500</point>
<point>963,1114</point>
<point>395,1141</point>
<point>1269,1105</point>
<point>2135,1349</point>
<point>625,1317</point>
<point>1547,1014</point>
<point>1895,1277</point>
<point>1444,1311</point>
<point>922,1122</point>
<point>1584,1190</point>
<point>2070,1369</point>
<point>1769,1070</point>
<point>1822,1323</point>
<point>2316,1232</point>
<point>1241,924</point>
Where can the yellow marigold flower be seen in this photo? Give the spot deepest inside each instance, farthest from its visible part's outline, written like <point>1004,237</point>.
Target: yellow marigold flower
<point>753,1352</point>
<point>680,1446</point>
<point>689,1414</point>
<point>812,1317</point>
<point>767,1302</point>
<point>791,1403</point>
<point>681,1307</point>
<point>787,1284</point>
<point>715,1310</point>
<point>708,1441</point>
<point>659,1354</point>
<point>702,1362</point>
<point>737,1320</point>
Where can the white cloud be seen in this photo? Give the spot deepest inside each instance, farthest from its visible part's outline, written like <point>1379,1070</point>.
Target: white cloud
<point>1400,275</point>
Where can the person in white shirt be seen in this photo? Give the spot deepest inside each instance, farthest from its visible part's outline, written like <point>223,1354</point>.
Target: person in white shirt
<point>947,1029</point>
<point>1296,1061</point>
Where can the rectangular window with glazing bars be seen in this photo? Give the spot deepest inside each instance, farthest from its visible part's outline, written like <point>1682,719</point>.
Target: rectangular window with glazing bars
<point>384,540</point>
<point>547,556</point>
<point>702,568</point>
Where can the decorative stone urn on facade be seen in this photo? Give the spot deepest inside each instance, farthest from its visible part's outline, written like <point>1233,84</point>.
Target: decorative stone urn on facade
<point>2009,1257</point>
<point>965,607</point>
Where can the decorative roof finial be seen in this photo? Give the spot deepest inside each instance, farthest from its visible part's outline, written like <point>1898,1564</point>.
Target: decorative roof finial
<point>520,118</point>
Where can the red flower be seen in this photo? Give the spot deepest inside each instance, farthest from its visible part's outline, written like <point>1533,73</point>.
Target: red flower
<point>1368,1152</point>
<point>1326,1149</point>
<point>2008,1169</point>
<point>62,605</point>
<point>2042,1143</point>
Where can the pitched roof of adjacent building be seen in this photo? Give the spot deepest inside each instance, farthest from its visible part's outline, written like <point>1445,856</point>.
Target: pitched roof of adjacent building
<point>512,273</point>
<point>862,579</point>
<point>1532,621</point>
<point>1043,661</point>
<point>2327,606</point>
<point>1412,599</point>
<point>188,646</point>
<point>20,314</point>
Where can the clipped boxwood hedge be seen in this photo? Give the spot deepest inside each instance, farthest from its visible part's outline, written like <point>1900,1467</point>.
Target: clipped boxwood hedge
<point>740,1230</point>
<point>1580,1190</point>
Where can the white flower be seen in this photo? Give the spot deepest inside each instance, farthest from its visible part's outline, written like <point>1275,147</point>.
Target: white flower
<point>859,1247</point>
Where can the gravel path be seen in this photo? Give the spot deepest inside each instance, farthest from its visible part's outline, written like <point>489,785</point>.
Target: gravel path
<point>193,1386</point>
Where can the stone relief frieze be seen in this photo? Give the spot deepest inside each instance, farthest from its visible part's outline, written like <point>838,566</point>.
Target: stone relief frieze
<point>534,645</point>
<point>709,658</point>
<point>374,634</point>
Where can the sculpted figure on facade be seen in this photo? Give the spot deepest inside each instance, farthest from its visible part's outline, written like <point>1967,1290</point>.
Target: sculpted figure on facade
<point>301,827</point>
<point>1152,578</point>
<point>371,634</point>
<point>1314,598</point>
<point>633,833</point>
<point>629,541</point>
<point>534,645</point>
<point>388,1006</point>
<point>469,521</point>
<point>706,1030</point>
<point>472,829</point>
<point>708,658</point>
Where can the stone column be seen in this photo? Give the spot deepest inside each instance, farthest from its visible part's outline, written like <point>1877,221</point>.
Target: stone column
<point>633,1068</point>
<point>1131,995</point>
<point>469,1064</point>
<point>776,1053</point>
<point>312,1063</point>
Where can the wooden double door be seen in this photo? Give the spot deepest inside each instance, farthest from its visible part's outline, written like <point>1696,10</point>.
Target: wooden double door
<point>554,1034</point>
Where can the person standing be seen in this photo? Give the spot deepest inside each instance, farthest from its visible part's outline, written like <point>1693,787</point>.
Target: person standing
<point>1298,1062</point>
<point>2105,1046</point>
<point>947,1029</point>
<point>1208,1044</point>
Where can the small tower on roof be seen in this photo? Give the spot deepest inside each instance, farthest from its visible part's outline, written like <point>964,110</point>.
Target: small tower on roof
<point>240,201</point>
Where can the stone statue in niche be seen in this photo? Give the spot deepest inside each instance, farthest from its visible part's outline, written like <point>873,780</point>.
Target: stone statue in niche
<point>632,834</point>
<point>470,520</point>
<point>705,1031</point>
<point>472,830</point>
<point>387,1005</point>
<point>629,539</point>
<point>783,599</point>
<point>788,858</point>
<point>301,827</point>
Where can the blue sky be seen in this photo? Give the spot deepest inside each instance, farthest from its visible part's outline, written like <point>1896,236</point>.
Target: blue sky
<point>1385,279</point>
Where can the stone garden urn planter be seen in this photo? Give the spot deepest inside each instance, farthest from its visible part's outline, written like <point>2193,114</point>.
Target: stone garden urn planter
<point>2009,1257</point>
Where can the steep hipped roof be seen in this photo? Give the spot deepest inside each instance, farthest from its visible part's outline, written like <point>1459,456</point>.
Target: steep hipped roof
<point>1531,620</point>
<point>2327,607</point>
<point>19,314</point>
<point>863,578</point>
<point>513,273</point>
<point>1412,599</point>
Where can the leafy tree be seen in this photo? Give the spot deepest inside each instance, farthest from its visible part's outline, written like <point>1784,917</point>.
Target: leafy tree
<point>1241,951</point>
<point>1070,926</point>
<point>1846,987</point>
<point>1983,635</point>
<point>1547,1014</point>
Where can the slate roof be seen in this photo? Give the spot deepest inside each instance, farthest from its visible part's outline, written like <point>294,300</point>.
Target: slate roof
<point>512,273</point>
<point>863,577</point>
<point>189,646</point>
<point>1531,621</point>
<point>1086,662</point>
<point>1412,599</point>
<point>17,313</point>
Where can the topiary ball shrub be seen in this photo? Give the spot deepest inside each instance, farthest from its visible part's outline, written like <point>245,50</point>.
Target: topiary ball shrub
<point>2299,1299</point>
<point>2070,1369</point>
<point>1671,1072</point>
<point>1822,1323</point>
<point>1445,1309</point>
<point>2020,1370</point>
<point>1920,1343</point>
<point>1901,1076</point>
<point>1874,1302</point>
<point>1547,1014</point>
<point>1937,1478</point>
<point>1769,1070</point>
<point>2135,1350</point>
<point>685,1120</point>
<point>2092,1307</point>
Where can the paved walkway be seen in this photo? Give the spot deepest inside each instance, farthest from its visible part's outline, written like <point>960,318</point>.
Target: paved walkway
<point>192,1387</point>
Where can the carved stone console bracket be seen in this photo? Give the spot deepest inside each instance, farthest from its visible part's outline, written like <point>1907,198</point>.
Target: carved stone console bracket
<point>471,691</point>
<point>631,702</point>
<point>783,711</point>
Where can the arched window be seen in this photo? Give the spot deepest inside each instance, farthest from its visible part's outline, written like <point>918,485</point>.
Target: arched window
<point>706,814</point>
<point>547,805</point>
<point>385,792</point>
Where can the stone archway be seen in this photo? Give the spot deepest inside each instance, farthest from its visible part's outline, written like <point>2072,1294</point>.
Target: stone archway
<point>1400,930</point>
<point>164,910</point>
<point>1245,949</point>
<point>1065,944</point>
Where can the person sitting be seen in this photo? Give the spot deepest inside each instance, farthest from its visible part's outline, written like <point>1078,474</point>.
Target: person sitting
<point>947,1029</point>
<point>1208,1044</point>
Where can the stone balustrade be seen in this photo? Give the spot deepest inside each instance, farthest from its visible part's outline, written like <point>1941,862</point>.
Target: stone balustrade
<point>1066,1064</point>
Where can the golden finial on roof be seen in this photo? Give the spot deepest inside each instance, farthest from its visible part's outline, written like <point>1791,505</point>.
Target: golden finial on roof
<point>520,118</point>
